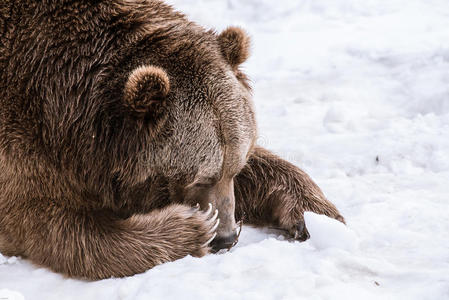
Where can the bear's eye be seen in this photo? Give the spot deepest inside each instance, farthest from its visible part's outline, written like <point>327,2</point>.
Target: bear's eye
<point>205,182</point>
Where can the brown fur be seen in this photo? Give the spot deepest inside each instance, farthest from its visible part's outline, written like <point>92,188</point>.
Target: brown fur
<point>116,117</point>
<point>146,86</point>
<point>234,45</point>
<point>282,202</point>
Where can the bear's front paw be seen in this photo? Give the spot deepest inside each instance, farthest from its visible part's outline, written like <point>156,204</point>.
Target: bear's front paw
<point>299,231</point>
<point>203,228</point>
<point>293,228</point>
<point>296,228</point>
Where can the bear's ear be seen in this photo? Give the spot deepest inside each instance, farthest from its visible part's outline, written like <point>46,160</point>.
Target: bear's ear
<point>234,43</point>
<point>146,88</point>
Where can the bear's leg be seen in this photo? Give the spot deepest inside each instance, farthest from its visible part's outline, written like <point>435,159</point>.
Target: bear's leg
<point>99,245</point>
<point>270,191</point>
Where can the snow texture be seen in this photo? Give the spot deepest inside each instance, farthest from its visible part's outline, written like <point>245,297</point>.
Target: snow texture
<point>357,94</point>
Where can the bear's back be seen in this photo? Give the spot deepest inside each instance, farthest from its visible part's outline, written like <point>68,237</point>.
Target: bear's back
<point>60,60</point>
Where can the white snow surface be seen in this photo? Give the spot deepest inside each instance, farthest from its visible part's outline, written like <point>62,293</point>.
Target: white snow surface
<point>357,94</point>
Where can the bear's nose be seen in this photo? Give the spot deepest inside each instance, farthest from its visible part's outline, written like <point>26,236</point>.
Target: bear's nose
<point>225,242</point>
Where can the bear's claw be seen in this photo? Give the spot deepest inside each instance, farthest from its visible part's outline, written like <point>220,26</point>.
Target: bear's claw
<point>215,226</point>
<point>212,220</point>
<point>209,241</point>
<point>298,232</point>
<point>196,207</point>
<point>209,209</point>
<point>301,233</point>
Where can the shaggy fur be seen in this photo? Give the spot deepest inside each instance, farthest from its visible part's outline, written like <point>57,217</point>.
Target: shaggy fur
<point>118,116</point>
<point>147,86</point>
<point>282,202</point>
<point>234,45</point>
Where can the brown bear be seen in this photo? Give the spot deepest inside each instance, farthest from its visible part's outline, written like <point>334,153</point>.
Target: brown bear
<point>116,118</point>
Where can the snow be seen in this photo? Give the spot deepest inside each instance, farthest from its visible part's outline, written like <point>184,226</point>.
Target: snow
<point>357,94</point>
<point>329,233</point>
<point>10,295</point>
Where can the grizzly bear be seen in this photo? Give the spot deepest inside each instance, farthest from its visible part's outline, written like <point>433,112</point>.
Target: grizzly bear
<point>116,118</point>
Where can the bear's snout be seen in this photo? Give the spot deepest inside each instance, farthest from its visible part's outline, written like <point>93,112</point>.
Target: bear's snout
<point>225,242</point>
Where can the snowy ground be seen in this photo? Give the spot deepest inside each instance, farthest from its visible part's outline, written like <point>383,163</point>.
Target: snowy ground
<point>357,94</point>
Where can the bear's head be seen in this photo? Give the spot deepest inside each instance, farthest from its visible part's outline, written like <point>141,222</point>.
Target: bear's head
<point>190,95</point>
